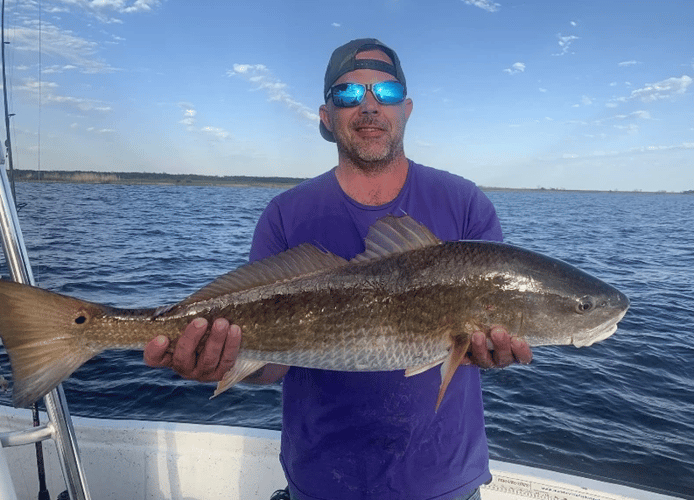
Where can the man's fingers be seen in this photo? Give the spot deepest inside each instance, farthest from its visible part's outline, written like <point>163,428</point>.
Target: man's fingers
<point>503,356</point>
<point>184,357</point>
<point>480,354</point>
<point>209,359</point>
<point>156,354</point>
<point>500,351</point>
<point>521,351</point>
<point>230,352</point>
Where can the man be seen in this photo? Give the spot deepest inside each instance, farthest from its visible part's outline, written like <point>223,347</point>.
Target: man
<point>368,435</point>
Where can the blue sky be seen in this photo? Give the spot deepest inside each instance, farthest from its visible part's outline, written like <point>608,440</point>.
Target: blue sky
<point>536,93</point>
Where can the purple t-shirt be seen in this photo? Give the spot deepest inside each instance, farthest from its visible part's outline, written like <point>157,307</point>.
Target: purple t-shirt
<point>375,435</point>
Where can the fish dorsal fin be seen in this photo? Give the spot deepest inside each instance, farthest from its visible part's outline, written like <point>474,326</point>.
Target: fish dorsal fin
<point>298,261</point>
<point>391,235</point>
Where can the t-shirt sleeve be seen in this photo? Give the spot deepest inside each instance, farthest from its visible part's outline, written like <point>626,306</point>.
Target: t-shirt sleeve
<point>483,223</point>
<point>268,238</point>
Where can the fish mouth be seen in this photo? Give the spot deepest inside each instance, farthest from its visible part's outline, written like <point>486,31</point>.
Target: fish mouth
<point>600,332</point>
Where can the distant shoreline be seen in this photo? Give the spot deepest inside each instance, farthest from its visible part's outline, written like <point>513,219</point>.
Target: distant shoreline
<point>144,178</point>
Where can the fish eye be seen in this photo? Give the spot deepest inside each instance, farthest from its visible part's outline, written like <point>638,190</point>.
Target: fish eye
<point>585,304</point>
<point>81,319</point>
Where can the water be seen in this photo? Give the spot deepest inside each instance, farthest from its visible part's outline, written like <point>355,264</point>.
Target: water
<point>622,409</point>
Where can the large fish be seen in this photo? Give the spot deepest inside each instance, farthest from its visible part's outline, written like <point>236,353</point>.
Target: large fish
<point>408,302</point>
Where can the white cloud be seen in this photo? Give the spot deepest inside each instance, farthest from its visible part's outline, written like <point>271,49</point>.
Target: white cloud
<point>335,25</point>
<point>189,113</point>
<point>518,67</point>
<point>565,43</point>
<point>138,6</point>
<point>629,151</point>
<point>216,132</point>
<point>261,77</point>
<point>573,23</point>
<point>49,96</point>
<point>190,121</point>
<point>57,68</point>
<point>104,9</point>
<point>487,5</point>
<point>641,114</point>
<point>631,128</point>
<point>61,45</point>
<point>585,101</point>
<point>663,89</point>
<point>627,63</point>
<point>650,149</point>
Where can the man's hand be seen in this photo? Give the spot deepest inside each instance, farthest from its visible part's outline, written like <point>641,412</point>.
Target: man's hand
<point>216,358</point>
<point>506,350</point>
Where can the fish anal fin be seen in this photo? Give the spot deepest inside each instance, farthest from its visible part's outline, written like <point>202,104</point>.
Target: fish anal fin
<point>241,369</point>
<point>451,364</point>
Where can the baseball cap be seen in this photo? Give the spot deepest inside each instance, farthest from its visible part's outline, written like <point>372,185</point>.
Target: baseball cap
<point>344,60</point>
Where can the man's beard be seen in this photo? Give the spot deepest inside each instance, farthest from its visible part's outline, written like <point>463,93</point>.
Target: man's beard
<point>371,157</point>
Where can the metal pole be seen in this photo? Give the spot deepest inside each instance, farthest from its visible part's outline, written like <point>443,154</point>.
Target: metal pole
<point>63,432</point>
<point>8,142</point>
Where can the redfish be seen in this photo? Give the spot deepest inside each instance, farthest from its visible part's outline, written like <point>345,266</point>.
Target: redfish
<point>408,302</point>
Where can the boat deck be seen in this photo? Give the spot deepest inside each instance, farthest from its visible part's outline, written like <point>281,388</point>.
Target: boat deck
<point>172,461</point>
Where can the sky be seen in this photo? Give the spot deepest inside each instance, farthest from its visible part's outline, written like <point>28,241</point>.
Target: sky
<point>595,94</point>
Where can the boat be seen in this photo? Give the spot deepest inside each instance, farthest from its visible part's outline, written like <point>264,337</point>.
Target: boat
<point>175,461</point>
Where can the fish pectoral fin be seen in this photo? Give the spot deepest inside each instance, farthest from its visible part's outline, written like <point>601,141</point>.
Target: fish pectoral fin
<point>450,365</point>
<point>416,370</point>
<point>241,369</point>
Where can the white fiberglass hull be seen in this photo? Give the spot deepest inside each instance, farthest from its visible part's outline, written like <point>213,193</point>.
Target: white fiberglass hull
<point>169,461</point>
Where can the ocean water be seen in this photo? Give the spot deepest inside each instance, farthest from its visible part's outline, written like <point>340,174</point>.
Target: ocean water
<point>622,409</point>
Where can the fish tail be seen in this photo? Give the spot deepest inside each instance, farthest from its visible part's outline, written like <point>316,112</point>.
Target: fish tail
<point>43,335</point>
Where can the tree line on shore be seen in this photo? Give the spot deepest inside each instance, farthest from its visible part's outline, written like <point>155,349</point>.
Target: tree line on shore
<point>91,177</point>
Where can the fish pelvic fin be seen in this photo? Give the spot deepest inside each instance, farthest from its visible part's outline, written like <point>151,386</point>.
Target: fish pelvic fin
<point>416,370</point>
<point>450,365</point>
<point>241,369</point>
<point>41,334</point>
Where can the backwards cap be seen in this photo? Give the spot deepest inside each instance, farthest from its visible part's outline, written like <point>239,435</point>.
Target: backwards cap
<point>344,60</point>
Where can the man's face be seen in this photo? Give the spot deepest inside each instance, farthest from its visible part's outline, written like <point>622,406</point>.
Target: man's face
<point>369,134</point>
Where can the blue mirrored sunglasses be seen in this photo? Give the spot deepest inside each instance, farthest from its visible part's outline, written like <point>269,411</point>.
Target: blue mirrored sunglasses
<point>347,95</point>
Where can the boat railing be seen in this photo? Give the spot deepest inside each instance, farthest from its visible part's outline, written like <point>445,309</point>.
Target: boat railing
<point>59,428</point>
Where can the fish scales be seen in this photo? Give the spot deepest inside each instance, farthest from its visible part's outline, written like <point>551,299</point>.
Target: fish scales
<point>408,302</point>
